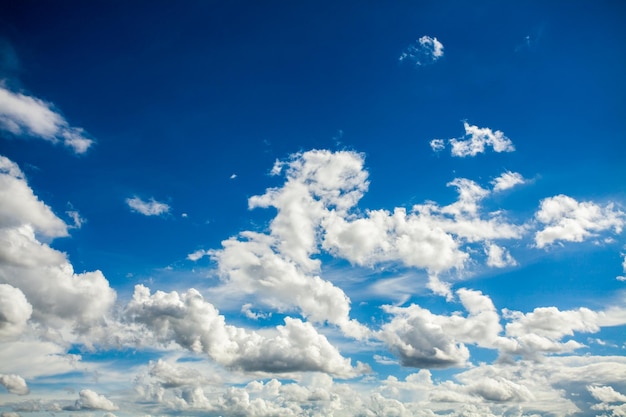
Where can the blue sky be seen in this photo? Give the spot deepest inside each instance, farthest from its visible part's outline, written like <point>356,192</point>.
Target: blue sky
<point>312,209</point>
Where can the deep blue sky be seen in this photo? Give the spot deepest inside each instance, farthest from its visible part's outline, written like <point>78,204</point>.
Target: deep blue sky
<point>191,104</point>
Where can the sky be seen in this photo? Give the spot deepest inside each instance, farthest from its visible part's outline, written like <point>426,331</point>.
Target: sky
<point>312,208</point>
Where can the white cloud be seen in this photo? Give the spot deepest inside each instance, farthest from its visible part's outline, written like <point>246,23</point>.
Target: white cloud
<point>437,145</point>
<point>426,50</point>
<point>507,180</point>
<point>90,400</point>
<point>147,208</point>
<point>541,330</point>
<point>196,325</point>
<point>58,296</point>
<point>498,257</point>
<point>76,218</point>
<point>246,309</point>
<point>566,219</point>
<point>606,394</point>
<point>15,384</point>
<point>197,255</point>
<point>25,115</point>
<point>425,340</point>
<point>15,310</point>
<point>476,139</point>
<point>20,205</point>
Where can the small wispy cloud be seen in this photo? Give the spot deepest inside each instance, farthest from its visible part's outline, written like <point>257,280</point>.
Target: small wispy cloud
<point>199,254</point>
<point>147,208</point>
<point>76,218</point>
<point>425,50</point>
<point>476,140</point>
<point>24,115</point>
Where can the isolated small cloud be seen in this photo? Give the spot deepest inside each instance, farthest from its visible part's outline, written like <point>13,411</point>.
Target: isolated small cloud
<point>147,208</point>
<point>566,219</point>
<point>200,253</point>
<point>426,50</point>
<point>437,145</point>
<point>477,139</point>
<point>507,180</point>
<point>15,384</point>
<point>23,115</point>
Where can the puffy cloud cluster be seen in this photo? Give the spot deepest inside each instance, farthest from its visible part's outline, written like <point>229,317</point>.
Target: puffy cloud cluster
<point>21,115</point>
<point>566,219</point>
<point>554,386</point>
<point>422,339</point>
<point>15,384</point>
<point>475,141</point>
<point>38,281</point>
<point>425,50</point>
<point>90,400</point>
<point>191,322</point>
<point>147,208</point>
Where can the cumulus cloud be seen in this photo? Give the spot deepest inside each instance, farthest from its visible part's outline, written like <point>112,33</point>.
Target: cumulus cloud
<point>147,208</point>
<point>20,205</point>
<point>15,310</point>
<point>90,400</point>
<point>542,330</point>
<point>197,325</point>
<point>428,237</point>
<point>476,139</point>
<point>606,394</point>
<point>55,294</point>
<point>426,50</point>
<point>22,115</point>
<point>566,219</point>
<point>15,384</point>
<point>498,257</point>
<point>422,339</point>
<point>507,180</point>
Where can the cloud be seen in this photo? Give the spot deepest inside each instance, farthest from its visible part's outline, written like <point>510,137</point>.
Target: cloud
<point>20,205</point>
<point>25,115</point>
<point>498,257</point>
<point>566,219</point>
<point>197,325</point>
<point>606,394</point>
<point>174,376</point>
<point>197,255</point>
<point>542,330</point>
<point>426,50</point>
<point>437,145</point>
<point>476,139</point>
<point>422,339</point>
<point>507,180</point>
<point>147,208</point>
<point>43,275</point>
<point>15,384</point>
<point>15,310</point>
<point>90,400</point>
<point>76,218</point>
